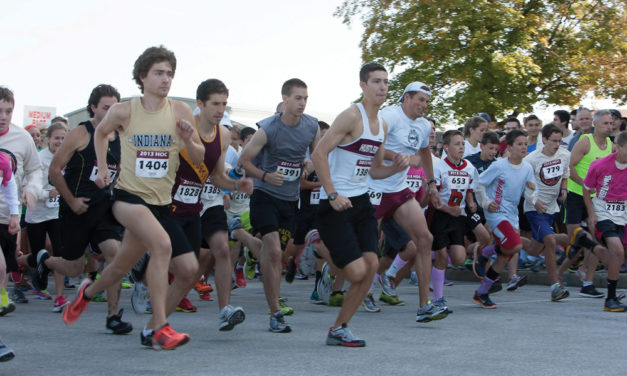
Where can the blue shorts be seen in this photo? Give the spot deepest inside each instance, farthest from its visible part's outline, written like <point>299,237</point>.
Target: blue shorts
<point>541,224</point>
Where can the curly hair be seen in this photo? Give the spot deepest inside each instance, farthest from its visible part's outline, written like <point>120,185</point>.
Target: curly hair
<point>148,58</point>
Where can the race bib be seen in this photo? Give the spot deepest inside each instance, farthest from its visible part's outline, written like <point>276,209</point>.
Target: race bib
<point>151,164</point>
<point>314,198</point>
<point>53,202</point>
<point>187,194</point>
<point>551,172</point>
<point>375,197</point>
<point>615,208</point>
<point>240,196</point>
<point>94,173</point>
<point>458,182</point>
<point>209,192</point>
<point>413,182</point>
<point>362,168</point>
<point>290,170</point>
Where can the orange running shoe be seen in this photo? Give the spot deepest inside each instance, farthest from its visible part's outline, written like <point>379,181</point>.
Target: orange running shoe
<point>167,339</point>
<point>202,286</point>
<point>73,311</point>
<point>185,305</point>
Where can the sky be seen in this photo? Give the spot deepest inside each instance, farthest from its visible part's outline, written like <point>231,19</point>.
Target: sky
<point>55,52</point>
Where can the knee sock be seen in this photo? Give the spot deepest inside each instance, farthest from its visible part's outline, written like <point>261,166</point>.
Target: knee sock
<point>375,284</point>
<point>611,288</point>
<point>488,281</point>
<point>488,251</point>
<point>397,264</point>
<point>437,280</point>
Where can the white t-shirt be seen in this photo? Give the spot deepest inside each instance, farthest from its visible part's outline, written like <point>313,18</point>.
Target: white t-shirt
<point>405,136</point>
<point>548,172</point>
<point>455,181</point>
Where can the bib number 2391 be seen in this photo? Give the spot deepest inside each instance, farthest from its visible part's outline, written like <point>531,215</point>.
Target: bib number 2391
<point>151,164</point>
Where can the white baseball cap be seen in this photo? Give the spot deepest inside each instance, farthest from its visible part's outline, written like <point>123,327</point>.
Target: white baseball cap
<point>416,86</point>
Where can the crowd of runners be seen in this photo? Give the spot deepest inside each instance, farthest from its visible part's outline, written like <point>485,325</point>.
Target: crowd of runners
<point>149,190</point>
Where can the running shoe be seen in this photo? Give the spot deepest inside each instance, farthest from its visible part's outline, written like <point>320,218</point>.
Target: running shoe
<point>307,259</point>
<point>139,297</point>
<point>185,305</point>
<point>284,307</point>
<point>25,286</point>
<point>278,324</point>
<point>8,308</point>
<point>369,304</point>
<point>59,303</point>
<point>559,293</point>
<point>40,274</point>
<point>448,283</point>
<point>148,309</point>
<point>430,312</point>
<point>6,353</point>
<point>240,280</point>
<point>301,276</point>
<point>413,278</point>
<point>342,336</point>
<point>73,311</point>
<point>115,325</point>
<point>391,300</point>
<point>41,295</point>
<point>230,316</point>
<point>205,296</point>
<point>250,270</point>
<point>613,305</point>
<point>336,299</point>
<point>479,262</point>
<point>314,298</point>
<point>99,298</point>
<point>484,300</point>
<point>590,292</point>
<point>290,270</point>
<point>325,284</point>
<point>167,339</point>
<point>137,272</point>
<point>516,281</point>
<point>202,285</point>
<point>124,283</point>
<point>388,285</point>
<point>18,296</point>
<point>146,340</point>
<point>67,283</point>
<point>443,304</point>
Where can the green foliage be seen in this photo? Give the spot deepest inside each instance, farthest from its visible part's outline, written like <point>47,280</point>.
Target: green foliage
<point>497,56</point>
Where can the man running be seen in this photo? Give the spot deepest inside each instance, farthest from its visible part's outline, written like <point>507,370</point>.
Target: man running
<point>153,129</point>
<point>351,150</point>
<point>278,149</point>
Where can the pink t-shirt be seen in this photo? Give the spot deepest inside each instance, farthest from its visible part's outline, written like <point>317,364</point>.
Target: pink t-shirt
<point>606,179</point>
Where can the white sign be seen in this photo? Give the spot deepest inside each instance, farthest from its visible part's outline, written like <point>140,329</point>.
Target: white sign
<point>38,115</point>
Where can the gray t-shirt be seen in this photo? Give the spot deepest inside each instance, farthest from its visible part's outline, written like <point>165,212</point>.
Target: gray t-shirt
<point>285,150</point>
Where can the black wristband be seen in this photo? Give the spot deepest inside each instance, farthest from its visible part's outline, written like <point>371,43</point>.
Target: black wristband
<point>263,177</point>
<point>431,181</point>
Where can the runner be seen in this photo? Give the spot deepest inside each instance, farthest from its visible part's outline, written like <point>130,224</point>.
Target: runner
<point>152,129</point>
<point>409,137</point>
<point>351,150</point>
<point>499,191</point>
<point>278,149</point>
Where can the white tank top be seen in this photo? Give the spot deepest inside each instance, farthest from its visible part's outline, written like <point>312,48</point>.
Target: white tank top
<point>349,164</point>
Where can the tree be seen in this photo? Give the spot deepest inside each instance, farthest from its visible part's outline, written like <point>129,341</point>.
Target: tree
<point>497,56</point>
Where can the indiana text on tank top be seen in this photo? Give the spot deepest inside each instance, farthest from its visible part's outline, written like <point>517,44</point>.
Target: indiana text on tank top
<point>150,154</point>
<point>82,168</point>
<point>584,164</point>
<point>191,178</point>
<point>349,164</point>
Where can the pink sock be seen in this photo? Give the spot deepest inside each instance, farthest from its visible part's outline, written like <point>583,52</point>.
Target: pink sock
<point>396,266</point>
<point>437,280</point>
<point>488,251</point>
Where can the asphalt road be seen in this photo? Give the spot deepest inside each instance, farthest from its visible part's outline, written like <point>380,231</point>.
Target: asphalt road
<point>526,335</point>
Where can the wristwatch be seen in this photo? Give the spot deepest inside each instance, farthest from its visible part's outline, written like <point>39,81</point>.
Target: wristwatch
<point>332,196</point>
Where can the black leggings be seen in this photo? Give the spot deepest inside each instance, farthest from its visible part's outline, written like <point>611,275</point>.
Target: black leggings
<point>37,238</point>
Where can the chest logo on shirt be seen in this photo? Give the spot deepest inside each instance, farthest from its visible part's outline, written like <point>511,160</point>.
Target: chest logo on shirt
<point>369,149</point>
<point>152,140</point>
<point>551,172</point>
<point>412,138</point>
